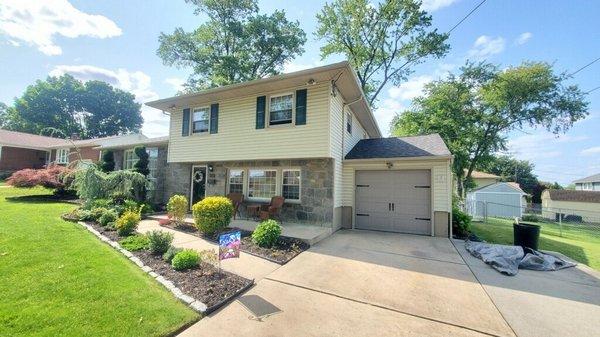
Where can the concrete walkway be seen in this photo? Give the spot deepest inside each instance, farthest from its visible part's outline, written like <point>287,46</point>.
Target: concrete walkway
<point>248,266</point>
<point>360,283</point>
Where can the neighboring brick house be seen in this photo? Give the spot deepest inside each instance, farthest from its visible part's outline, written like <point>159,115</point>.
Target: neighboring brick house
<point>19,150</point>
<point>311,137</point>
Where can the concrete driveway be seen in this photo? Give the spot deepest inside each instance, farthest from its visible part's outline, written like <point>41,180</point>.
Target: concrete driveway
<point>360,283</point>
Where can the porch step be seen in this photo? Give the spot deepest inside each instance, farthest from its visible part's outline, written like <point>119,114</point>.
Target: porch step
<point>307,233</point>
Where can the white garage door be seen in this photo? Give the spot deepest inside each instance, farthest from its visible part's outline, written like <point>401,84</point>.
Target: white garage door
<point>394,201</point>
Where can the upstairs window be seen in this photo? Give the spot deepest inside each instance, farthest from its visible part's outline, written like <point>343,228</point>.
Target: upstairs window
<point>281,109</point>
<point>62,156</point>
<point>349,122</point>
<point>200,119</point>
<point>236,181</point>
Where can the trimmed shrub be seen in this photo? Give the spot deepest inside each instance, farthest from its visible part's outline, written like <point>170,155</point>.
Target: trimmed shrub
<point>461,222</point>
<point>212,214</point>
<point>108,161</point>
<point>135,242</point>
<point>530,218</point>
<point>96,213</point>
<point>177,208</point>
<point>127,223</point>
<point>159,241</point>
<point>108,217</point>
<point>266,233</point>
<point>51,177</point>
<point>170,253</point>
<point>185,259</point>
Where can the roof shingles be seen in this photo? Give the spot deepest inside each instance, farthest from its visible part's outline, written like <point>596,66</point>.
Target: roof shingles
<point>399,147</point>
<point>574,196</point>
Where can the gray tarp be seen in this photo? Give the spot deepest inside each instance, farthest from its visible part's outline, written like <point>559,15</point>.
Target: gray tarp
<point>508,259</point>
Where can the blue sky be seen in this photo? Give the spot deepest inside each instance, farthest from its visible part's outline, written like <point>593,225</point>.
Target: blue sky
<point>116,41</point>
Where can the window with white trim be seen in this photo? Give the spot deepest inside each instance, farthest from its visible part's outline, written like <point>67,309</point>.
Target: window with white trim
<point>200,119</point>
<point>129,159</point>
<point>152,167</point>
<point>236,181</point>
<point>62,156</point>
<point>262,184</point>
<point>290,185</point>
<point>281,109</point>
<point>349,122</point>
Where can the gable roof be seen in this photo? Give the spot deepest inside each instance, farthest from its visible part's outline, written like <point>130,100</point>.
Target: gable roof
<point>482,175</point>
<point>591,179</point>
<point>400,147</point>
<point>514,186</point>
<point>573,195</point>
<point>27,140</point>
<point>341,74</point>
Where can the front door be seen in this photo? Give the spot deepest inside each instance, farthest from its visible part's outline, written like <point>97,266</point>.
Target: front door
<point>198,183</point>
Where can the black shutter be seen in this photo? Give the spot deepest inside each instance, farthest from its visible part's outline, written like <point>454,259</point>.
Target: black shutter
<point>301,107</point>
<point>214,118</point>
<point>185,126</point>
<point>261,103</point>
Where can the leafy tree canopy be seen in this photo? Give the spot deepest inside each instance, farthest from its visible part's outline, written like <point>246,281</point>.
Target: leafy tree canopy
<point>236,44</point>
<point>91,109</point>
<point>382,41</point>
<point>475,110</point>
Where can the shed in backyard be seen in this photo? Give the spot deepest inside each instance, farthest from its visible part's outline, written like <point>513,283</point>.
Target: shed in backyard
<point>505,200</point>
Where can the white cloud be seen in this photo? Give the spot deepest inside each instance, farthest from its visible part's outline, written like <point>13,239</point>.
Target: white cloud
<point>37,23</point>
<point>486,46</point>
<point>176,83</point>
<point>386,112</point>
<point>434,5</point>
<point>591,151</point>
<point>290,67</point>
<point>136,82</point>
<point>541,145</point>
<point>523,38</point>
<point>410,89</point>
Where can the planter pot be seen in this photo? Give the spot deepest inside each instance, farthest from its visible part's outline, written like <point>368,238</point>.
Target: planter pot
<point>526,235</point>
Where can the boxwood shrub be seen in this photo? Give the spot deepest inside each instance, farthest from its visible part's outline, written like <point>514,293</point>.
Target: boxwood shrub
<point>159,241</point>
<point>127,222</point>
<point>266,233</point>
<point>212,214</point>
<point>185,259</point>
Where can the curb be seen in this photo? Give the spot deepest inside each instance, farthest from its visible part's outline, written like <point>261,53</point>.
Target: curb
<point>177,293</point>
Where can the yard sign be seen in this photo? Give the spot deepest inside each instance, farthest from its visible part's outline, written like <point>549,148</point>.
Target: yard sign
<point>229,245</point>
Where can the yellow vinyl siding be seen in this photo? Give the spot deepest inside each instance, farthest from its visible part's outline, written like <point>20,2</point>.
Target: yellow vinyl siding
<point>440,179</point>
<point>357,133</point>
<point>238,139</point>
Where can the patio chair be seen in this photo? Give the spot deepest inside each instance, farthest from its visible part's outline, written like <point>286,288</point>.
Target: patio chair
<point>273,209</point>
<point>236,199</point>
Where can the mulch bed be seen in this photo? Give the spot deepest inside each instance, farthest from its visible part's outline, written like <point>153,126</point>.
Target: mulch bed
<point>204,283</point>
<point>282,252</point>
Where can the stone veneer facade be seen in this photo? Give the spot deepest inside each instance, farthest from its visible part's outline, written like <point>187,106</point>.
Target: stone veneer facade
<point>316,204</point>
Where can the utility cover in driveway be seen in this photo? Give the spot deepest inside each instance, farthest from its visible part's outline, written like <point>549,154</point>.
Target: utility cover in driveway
<point>394,201</point>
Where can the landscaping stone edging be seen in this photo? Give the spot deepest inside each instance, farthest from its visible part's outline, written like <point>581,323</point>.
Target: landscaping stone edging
<point>188,300</point>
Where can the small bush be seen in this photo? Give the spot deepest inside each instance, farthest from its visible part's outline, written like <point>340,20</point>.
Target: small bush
<point>177,208</point>
<point>170,253</point>
<point>127,222</point>
<point>105,203</point>
<point>80,215</point>
<point>185,259</point>
<point>135,242</point>
<point>108,217</point>
<point>530,218</point>
<point>212,214</point>
<point>96,213</point>
<point>461,222</point>
<point>159,242</point>
<point>266,233</point>
<point>51,177</point>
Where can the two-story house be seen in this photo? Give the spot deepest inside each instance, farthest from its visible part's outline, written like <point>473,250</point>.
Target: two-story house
<point>591,183</point>
<point>311,137</point>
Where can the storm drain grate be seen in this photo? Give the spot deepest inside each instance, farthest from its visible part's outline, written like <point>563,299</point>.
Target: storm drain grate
<point>258,306</point>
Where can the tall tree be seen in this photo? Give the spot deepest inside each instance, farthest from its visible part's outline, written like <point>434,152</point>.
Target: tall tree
<point>511,169</point>
<point>236,44</point>
<point>91,109</point>
<point>474,111</point>
<point>382,41</point>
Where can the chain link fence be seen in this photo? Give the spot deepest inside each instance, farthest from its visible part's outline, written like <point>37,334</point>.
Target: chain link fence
<point>561,221</point>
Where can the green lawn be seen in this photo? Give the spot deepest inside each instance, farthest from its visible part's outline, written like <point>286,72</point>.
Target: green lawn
<point>57,279</point>
<point>580,244</point>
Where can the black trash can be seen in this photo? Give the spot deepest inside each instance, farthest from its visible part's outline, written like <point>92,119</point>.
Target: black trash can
<point>526,235</point>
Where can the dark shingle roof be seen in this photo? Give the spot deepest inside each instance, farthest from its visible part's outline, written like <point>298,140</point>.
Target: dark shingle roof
<point>397,147</point>
<point>591,179</point>
<point>576,196</point>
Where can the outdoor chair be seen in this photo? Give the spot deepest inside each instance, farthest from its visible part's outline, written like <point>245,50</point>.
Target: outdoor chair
<point>273,209</point>
<point>236,199</point>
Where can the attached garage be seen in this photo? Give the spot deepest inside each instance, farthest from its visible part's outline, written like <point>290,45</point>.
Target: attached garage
<point>394,201</point>
<point>401,185</point>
